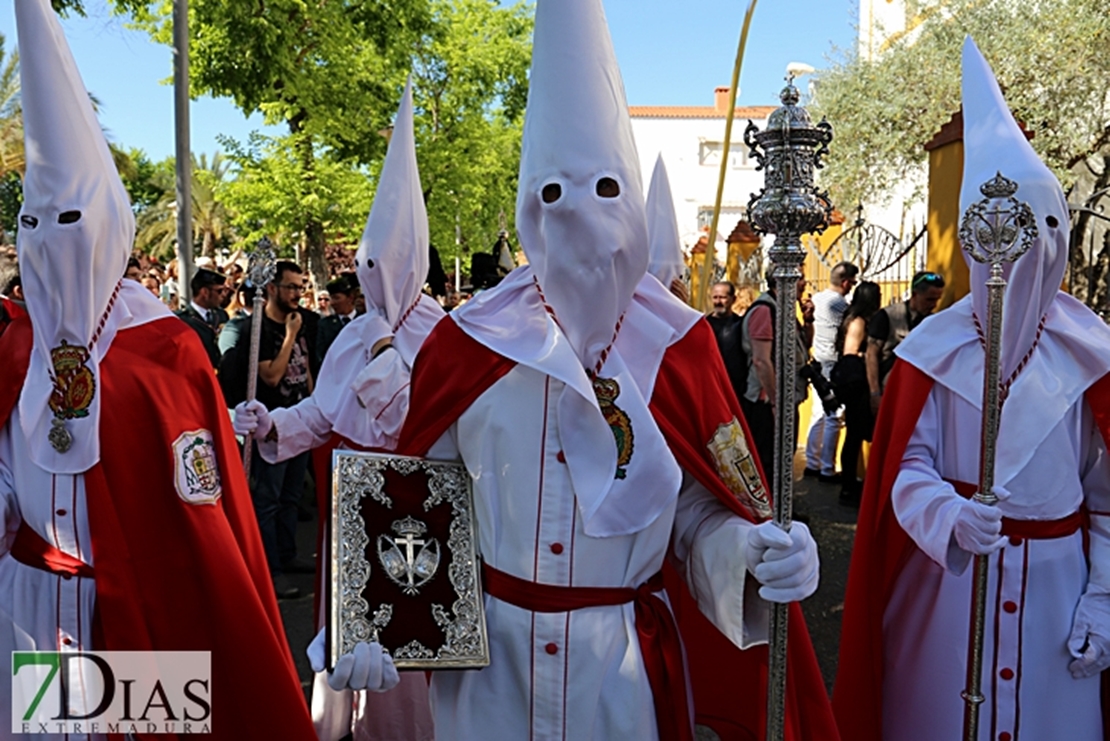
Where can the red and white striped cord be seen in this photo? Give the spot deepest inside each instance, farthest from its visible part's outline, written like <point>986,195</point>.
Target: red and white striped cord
<point>407,313</point>
<point>1004,386</point>
<point>604,353</point>
<point>104,318</point>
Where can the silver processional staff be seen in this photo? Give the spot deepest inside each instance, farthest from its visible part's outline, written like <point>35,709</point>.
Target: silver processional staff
<point>789,151</point>
<point>995,230</point>
<point>260,272</point>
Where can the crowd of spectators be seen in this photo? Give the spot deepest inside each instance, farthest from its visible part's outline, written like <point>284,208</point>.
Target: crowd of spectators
<point>852,340</point>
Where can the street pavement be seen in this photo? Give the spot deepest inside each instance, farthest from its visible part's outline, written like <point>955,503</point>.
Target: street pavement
<point>832,524</point>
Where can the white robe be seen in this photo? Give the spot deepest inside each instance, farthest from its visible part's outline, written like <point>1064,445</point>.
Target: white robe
<point>38,610</point>
<point>1033,591</point>
<point>576,675</point>
<point>365,400</point>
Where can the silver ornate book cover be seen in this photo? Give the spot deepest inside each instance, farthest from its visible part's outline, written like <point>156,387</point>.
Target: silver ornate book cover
<point>404,562</point>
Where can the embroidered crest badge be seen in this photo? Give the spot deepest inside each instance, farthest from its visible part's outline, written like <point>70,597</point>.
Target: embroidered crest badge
<point>196,473</point>
<point>607,390</point>
<point>737,467</point>
<point>74,389</point>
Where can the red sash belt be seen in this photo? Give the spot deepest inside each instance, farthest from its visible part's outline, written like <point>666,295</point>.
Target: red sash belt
<point>31,550</point>
<point>1032,529</point>
<point>655,626</point>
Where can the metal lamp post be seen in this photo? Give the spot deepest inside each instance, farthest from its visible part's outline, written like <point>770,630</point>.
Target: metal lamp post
<point>789,152</point>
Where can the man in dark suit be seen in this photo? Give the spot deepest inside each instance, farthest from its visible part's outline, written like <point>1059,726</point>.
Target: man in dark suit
<point>343,311</point>
<point>203,313</point>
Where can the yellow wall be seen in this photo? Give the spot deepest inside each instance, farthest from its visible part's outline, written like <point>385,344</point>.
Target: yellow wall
<point>946,165</point>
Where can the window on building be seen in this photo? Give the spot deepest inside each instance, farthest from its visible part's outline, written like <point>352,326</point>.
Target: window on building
<point>709,154</point>
<point>729,216</point>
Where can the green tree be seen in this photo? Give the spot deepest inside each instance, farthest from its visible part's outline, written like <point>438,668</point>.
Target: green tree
<point>269,169</point>
<point>147,182</point>
<point>470,87</point>
<point>332,72</point>
<point>157,223</point>
<point>11,113</point>
<point>329,71</point>
<point>1050,59</point>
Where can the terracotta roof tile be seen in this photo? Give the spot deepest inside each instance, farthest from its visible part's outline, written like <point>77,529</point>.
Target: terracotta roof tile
<point>757,112</point>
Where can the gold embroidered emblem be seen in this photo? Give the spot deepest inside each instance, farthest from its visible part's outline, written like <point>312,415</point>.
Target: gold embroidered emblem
<point>607,390</point>
<point>74,383</point>
<point>738,469</point>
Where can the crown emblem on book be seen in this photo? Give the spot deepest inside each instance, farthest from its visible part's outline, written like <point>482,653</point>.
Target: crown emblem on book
<point>409,527</point>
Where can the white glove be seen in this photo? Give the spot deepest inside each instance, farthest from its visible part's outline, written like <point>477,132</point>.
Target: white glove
<point>252,417</point>
<point>1089,642</point>
<point>786,564</point>
<point>368,667</point>
<point>978,527</point>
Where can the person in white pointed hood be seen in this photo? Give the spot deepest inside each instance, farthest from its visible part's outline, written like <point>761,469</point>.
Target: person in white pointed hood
<point>665,246</point>
<point>97,371</point>
<point>361,397</point>
<point>1048,540</point>
<point>542,387</point>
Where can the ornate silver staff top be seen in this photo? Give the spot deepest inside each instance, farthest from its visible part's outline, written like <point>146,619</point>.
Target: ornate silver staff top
<point>994,231</point>
<point>261,263</point>
<point>1000,234</point>
<point>789,151</point>
<point>260,272</point>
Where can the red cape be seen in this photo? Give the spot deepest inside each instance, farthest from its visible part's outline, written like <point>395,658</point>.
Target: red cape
<point>172,576</point>
<point>691,400</point>
<point>882,549</point>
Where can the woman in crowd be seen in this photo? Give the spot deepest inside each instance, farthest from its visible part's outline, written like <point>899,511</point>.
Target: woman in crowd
<point>850,377</point>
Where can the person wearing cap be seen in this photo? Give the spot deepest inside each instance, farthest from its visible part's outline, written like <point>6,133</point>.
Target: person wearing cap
<point>904,647</point>
<point>205,313</point>
<point>360,401</point>
<point>890,326</point>
<point>592,410</point>
<point>109,549</point>
<point>342,300</point>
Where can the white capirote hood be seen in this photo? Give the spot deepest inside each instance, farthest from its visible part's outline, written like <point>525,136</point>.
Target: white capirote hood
<point>666,262</point>
<point>1055,364</point>
<point>75,235</point>
<point>392,259</point>
<point>588,251</point>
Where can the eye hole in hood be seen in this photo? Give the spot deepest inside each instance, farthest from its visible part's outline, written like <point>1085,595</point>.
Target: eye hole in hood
<point>28,221</point>
<point>69,217</point>
<point>551,192</point>
<point>608,188</point>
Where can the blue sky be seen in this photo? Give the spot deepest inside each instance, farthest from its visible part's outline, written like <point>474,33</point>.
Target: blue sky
<point>671,52</point>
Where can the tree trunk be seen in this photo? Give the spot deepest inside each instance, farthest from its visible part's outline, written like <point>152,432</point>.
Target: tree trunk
<point>208,244</point>
<point>313,230</point>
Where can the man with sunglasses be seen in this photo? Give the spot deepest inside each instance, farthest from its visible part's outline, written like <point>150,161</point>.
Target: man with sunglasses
<point>891,325</point>
<point>205,313</point>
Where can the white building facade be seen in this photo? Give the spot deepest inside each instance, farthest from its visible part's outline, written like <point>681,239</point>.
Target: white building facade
<point>691,141</point>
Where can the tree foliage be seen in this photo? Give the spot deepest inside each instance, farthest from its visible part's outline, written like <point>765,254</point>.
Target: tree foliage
<point>471,86</point>
<point>1051,62</point>
<point>157,221</point>
<point>267,198</point>
<point>11,112</point>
